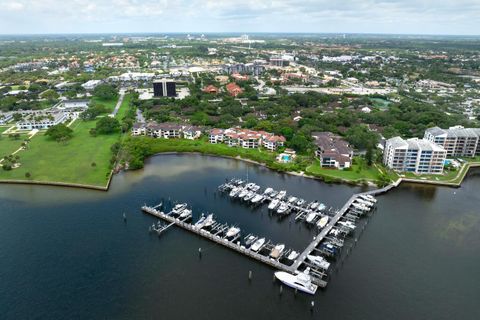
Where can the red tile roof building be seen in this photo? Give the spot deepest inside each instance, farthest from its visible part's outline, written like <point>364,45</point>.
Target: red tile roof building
<point>245,138</point>
<point>233,89</point>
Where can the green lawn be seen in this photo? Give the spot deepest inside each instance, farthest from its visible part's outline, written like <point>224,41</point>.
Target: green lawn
<point>109,104</point>
<point>7,145</point>
<point>124,107</point>
<point>358,172</point>
<point>47,160</point>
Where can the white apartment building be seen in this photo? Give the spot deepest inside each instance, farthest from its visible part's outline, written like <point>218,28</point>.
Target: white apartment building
<point>457,141</point>
<point>415,155</point>
<point>41,121</point>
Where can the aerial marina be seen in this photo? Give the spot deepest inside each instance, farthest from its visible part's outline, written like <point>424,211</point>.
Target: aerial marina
<point>304,270</point>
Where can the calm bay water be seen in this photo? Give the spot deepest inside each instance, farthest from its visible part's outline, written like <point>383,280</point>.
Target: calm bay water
<point>66,253</point>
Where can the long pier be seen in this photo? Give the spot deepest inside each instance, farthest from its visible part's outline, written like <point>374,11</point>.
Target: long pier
<point>226,243</point>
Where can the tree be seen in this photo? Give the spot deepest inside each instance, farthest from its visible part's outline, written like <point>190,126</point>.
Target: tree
<point>107,125</point>
<point>93,164</point>
<point>28,175</point>
<point>105,92</point>
<point>369,155</point>
<point>59,132</point>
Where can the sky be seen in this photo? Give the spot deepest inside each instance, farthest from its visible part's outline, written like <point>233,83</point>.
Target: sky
<point>456,17</point>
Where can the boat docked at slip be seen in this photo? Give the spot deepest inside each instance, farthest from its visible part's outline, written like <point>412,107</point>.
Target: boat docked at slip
<point>235,191</point>
<point>243,193</point>
<point>311,217</point>
<point>283,208</point>
<point>232,232</point>
<point>277,251</point>
<point>199,224</point>
<point>258,198</point>
<point>322,222</point>
<point>273,194</point>
<point>319,261</point>
<point>250,239</point>
<point>185,214</point>
<point>321,207</point>
<point>368,198</point>
<point>300,202</point>
<point>249,196</point>
<point>268,191</point>
<point>257,245</point>
<point>292,199</point>
<point>314,205</point>
<point>178,208</point>
<point>347,224</point>
<point>209,221</point>
<point>293,255</point>
<point>281,194</point>
<point>273,204</point>
<point>301,281</point>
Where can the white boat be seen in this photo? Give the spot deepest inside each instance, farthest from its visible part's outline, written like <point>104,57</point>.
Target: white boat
<point>243,193</point>
<point>257,244</point>
<point>292,199</point>
<point>319,261</point>
<point>268,191</point>
<point>347,224</point>
<point>364,202</point>
<point>311,216</point>
<point>234,192</point>
<point>255,188</point>
<point>281,194</point>
<point>282,208</point>
<point>232,232</point>
<point>258,198</point>
<point>314,205</point>
<point>249,185</point>
<point>300,202</point>
<point>301,281</point>
<point>273,204</point>
<point>199,224</point>
<point>293,255</point>
<point>322,222</point>
<point>186,213</point>
<point>277,251</point>
<point>334,232</point>
<point>321,207</point>
<point>250,239</point>
<point>208,221</point>
<point>368,198</point>
<point>178,208</point>
<point>249,196</point>
<point>273,194</point>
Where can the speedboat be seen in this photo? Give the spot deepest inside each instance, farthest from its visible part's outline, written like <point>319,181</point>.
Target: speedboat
<point>282,208</point>
<point>277,251</point>
<point>268,191</point>
<point>243,193</point>
<point>255,188</point>
<point>232,232</point>
<point>186,213</point>
<point>347,224</point>
<point>300,202</point>
<point>314,205</point>
<point>292,199</point>
<point>273,194</point>
<point>250,185</point>
<point>293,255</point>
<point>250,239</point>
<point>334,232</point>
<point>319,261</point>
<point>322,222</point>
<point>311,216</point>
<point>208,221</point>
<point>321,207</point>
<point>257,244</point>
<point>368,198</point>
<point>249,196</point>
<point>301,281</point>
<point>330,248</point>
<point>199,224</point>
<point>273,204</point>
<point>234,192</point>
<point>178,208</point>
<point>258,198</point>
<point>281,194</point>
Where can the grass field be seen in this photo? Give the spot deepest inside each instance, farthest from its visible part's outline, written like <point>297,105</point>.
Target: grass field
<point>358,172</point>
<point>124,107</point>
<point>109,104</point>
<point>7,145</point>
<point>48,160</point>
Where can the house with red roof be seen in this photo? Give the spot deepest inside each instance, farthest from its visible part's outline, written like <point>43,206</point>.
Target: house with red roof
<point>233,89</point>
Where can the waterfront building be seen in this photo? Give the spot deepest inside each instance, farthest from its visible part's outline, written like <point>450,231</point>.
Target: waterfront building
<point>166,130</point>
<point>332,150</point>
<point>457,141</point>
<point>247,139</point>
<point>415,155</point>
<point>164,88</point>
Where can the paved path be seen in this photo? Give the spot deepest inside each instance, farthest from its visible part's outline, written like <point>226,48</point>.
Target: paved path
<point>119,103</point>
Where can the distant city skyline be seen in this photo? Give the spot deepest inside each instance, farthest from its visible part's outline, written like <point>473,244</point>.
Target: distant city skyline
<point>446,17</point>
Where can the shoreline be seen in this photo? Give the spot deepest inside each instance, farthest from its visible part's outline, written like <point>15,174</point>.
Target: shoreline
<point>365,183</point>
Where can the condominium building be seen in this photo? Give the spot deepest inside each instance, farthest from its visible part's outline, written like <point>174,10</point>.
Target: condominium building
<point>332,150</point>
<point>247,139</point>
<point>166,130</point>
<point>41,120</point>
<point>457,141</point>
<point>415,155</point>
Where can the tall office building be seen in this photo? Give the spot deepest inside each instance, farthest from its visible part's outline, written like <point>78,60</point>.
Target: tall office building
<point>414,155</point>
<point>458,141</point>
<point>164,88</point>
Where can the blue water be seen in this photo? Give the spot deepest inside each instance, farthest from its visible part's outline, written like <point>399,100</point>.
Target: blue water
<point>67,253</point>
